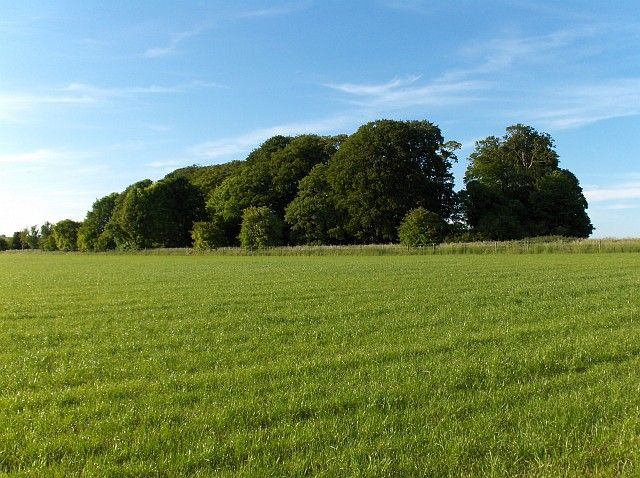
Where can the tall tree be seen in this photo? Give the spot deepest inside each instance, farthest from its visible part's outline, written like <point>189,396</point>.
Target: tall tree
<point>95,222</point>
<point>515,189</point>
<point>16,241</point>
<point>207,178</point>
<point>156,214</point>
<point>269,177</point>
<point>312,215</point>
<point>387,168</point>
<point>33,237</point>
<point>65,233</point>
<point>559,207</point>
<point>47,241</point>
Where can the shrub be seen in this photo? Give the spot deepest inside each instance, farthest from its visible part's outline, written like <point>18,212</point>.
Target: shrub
<point>65,234</point>
<point>260,228</point>
<point>421,227</point>
<point>208,235</point>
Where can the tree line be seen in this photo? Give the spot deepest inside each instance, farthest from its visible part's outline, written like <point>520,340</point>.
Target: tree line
<point>390,181</point>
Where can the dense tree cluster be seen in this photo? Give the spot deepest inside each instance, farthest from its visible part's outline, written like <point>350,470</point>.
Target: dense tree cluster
<point>514,189</point>
<point>389,181</point>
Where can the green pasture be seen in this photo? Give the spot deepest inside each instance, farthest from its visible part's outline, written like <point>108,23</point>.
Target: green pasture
<point>423,365</point>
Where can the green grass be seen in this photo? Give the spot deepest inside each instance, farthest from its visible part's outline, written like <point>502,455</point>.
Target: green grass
<point>476,365</point>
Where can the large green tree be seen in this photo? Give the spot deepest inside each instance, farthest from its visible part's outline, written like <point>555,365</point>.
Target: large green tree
<point>269,177</point>
<point>96,222</point>
<point>559,207</point>
<point>157,214</point>
<point>47,241</point>
<point>312,215</point>
<point>16,241</point>
<point>207,178</point>
<point>514,188</point>
<point>387,168</point>
<point>65,234</point>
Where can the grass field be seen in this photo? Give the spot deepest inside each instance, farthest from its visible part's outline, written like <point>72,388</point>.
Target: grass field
<point>458,365</point>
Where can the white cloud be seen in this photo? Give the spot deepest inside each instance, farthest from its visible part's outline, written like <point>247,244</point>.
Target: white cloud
<point>275,11</point>
<point>13,104</point>
<point>175,41</point>
<point>20,100</point>
<point>617,192</point>
<point>501,53</point>
<point>373,89</point>
<point>586,104</point>
<point>37,156</point>
<point>95,92</point>
<point>165,164</point>
<point>244,143</point>
<point>404,93</point>
<point>410,6</point>
<point>618,207</point>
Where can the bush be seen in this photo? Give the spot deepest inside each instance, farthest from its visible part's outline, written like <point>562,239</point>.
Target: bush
<point>260,228</point>
<point>421,228</point>
<point>105,241</point>
<point>65,235</point>
<point>208,235</point>
<point>4,244</point>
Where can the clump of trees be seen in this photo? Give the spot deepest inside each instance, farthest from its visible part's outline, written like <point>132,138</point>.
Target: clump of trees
<point>514,188</point>
<point>389,181</point>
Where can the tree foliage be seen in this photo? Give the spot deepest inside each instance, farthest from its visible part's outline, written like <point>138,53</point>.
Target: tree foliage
<point>65,234</point>
<point>421,228</point>
<point>47,241</point>
<point>559,207</point>
<point>260,228</point>
<point>16,242</point>
<point>96,222</point>
<point>206,178</point>
<point>208,235</point>
<point>312,215</point>
<point>269,177</point>
<point>387,168</point>
<point>514,189</point>
<point>157,214</point>
<point>388,180</point>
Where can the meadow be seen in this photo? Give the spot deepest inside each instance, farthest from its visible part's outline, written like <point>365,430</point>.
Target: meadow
<point>392,365</point>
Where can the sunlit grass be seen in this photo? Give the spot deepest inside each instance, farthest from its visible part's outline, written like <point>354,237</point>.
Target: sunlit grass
<point>475,365</point>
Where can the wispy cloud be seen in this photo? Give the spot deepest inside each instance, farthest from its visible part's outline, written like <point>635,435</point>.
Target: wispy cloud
<point>622,207</point>
<point>16,100</point>
<point>174,42</point>
<point>170,164</point>
<point>506,51</point>
<point>11,103</point>
<point>405,92</point>
<point>276,11</point>
<point>581,105</point>
<point>410,6</point>
<point>489,60</point>
<point>241,144</point>
<point>96,92</point>
<point>618,192</point>
<point>37,156</point>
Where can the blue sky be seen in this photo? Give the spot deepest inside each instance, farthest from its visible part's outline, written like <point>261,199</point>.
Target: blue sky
<point>97,95</point>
